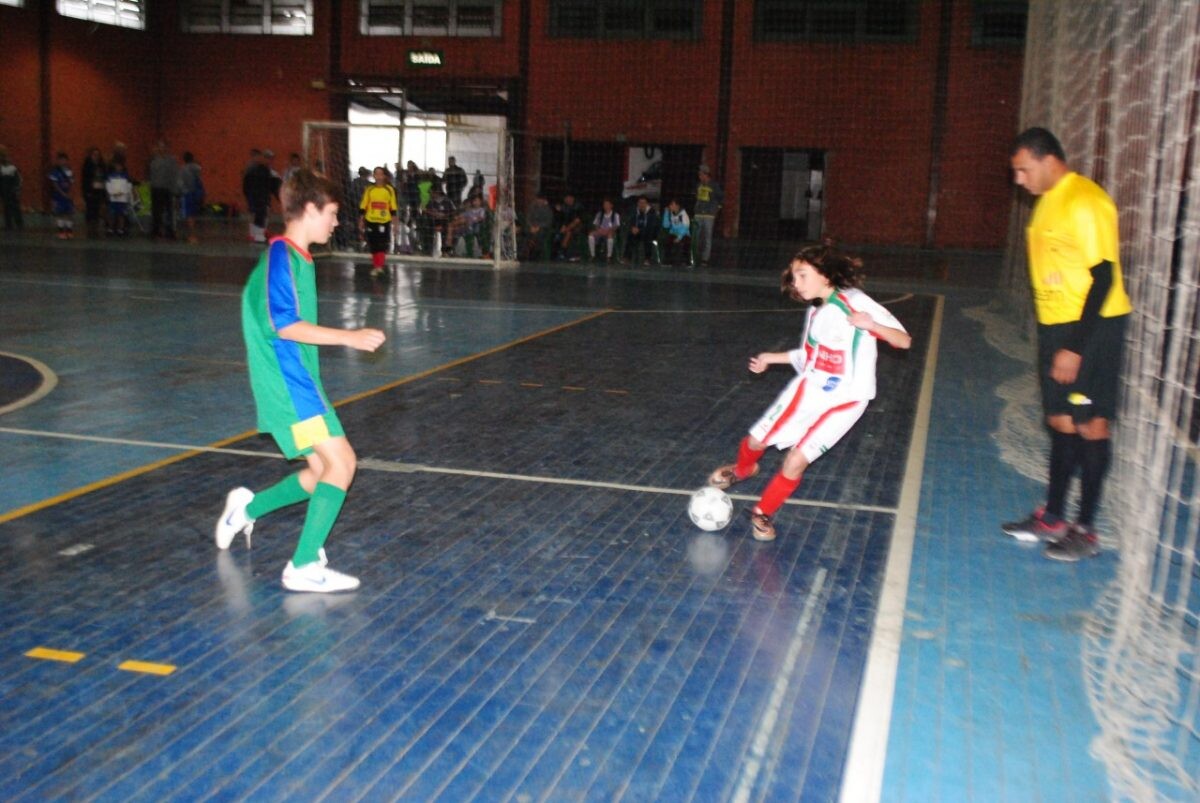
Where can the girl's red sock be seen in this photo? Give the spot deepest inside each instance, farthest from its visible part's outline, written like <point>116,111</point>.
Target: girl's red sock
<point>746,459</point>
<point>777,492</point>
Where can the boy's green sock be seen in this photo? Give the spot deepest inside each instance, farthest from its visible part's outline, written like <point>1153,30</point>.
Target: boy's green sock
<point>287,491</point>
<point>323,509</point>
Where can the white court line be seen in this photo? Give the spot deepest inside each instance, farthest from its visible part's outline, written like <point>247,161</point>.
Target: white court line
<point>400,467</point>
<point>49,382</point>
<point>862,777</point>
<point>764,735</point>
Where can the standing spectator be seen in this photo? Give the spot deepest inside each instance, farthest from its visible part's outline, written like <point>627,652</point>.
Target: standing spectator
<point>1082,312</point>
<point>94,172</point>
<point>164,179</point>
<point>10,192</point>
<point>539,223</point>
<point>456,181</point>
<point>569,220</point>
<point>477,182</point>
<point>62,182</point>
<point>708,203</point>
<point>605,225</point>
<point>294,164</point>
<point>257,186</point>
<point>119,188</point>
<point>678,230</point>
<point>410,193</point>
<point>643,231</point>
<point>191,193</point>
<point>276,179</point>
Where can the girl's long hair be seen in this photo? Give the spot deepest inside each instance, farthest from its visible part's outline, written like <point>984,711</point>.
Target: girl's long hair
<point>842,270</point>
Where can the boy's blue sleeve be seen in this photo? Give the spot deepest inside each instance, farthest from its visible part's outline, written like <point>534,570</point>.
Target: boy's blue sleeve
<point>282,301</point>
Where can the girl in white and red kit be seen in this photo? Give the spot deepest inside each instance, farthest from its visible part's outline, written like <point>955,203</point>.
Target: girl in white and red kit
<point>835,376</point>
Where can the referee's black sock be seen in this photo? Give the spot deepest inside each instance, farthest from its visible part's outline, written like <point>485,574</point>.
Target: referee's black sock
<point>1094,457</point>
<point>1064,456</point>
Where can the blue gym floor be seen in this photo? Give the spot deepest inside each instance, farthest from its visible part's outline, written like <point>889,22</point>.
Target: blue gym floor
<point>538,619</point>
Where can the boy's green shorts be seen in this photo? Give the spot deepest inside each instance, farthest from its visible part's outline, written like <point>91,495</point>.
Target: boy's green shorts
<point>298,439</point>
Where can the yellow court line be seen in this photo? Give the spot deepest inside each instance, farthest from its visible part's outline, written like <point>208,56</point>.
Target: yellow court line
<point>573,387</point>
<point>136,472</point>
<point>617,392</point>
<point>47,654</point>
<point>145,667</point>
<point>532,385</point>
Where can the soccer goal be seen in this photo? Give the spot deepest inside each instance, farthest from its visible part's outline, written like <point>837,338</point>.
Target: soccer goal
<point>483,234</point>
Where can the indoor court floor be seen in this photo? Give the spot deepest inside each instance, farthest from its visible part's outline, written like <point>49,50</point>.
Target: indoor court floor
<point>538,618</point>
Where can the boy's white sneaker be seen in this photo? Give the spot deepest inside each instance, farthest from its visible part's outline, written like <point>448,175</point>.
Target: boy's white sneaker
<point>234,519</point>
<point>317,578</point>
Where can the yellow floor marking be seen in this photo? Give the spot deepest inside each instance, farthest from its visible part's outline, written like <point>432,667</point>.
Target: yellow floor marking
<point>573,388</point>
<point>617,392</point>
<point>491,381</point>
<point>45,653</point>
<point>136,472</point>
<point>532,385</point>
<point>146,667</point>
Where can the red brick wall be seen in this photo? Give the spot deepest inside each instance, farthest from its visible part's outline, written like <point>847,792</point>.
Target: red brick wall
<point>100,92</point>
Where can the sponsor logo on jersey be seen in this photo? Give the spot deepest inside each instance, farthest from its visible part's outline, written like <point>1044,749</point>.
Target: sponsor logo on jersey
<point>831,383</point>
<point>830,361</point>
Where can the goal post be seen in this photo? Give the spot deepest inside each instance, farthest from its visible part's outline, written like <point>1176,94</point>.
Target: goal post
<point>485,153</point>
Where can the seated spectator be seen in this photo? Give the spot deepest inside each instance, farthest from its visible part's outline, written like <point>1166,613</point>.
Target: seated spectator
<point>605,226</point>
<point>435,222</point>
<point>471,226</point>
<point>569,221</point>
<point>677,228</point>
<point>643,231</point>
<point>539,225</point>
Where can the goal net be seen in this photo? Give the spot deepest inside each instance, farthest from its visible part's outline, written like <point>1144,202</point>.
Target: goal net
<point>1117,81</point>
<point>415,152</point>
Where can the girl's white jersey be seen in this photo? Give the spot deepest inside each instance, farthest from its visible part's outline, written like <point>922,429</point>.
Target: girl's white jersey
<point>836,360</point>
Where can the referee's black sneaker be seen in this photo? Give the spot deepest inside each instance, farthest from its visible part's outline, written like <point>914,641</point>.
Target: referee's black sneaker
<point>1079,542</point>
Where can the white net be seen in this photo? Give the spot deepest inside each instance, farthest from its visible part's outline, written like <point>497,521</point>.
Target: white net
<point>342,151</point>
<point>1117,81</point>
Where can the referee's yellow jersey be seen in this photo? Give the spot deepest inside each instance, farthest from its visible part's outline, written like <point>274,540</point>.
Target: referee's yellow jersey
<point>1073,228</point>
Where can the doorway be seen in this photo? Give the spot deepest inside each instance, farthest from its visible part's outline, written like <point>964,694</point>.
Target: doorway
<point>783,194</point>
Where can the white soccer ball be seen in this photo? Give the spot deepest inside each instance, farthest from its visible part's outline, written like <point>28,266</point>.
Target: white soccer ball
<point>710,508</point>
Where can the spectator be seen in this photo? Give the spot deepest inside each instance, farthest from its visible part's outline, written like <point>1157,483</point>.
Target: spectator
<point>708,203</point>
<point>94,172</point>
<point>164,179</point>
<point>643,231</point>
<point>10,192</point>
<point>435,223</point>
<point>276,179</point>
<point>257,187</point>
<point>294,164</point>
<point>605,225</point>
<point>62,182</point>
<point>119,188</point>
<point>678,232</point>
<point>569,220</point>
<point>456,181</point>
<point>477,182</point>
<point>471,225</point>
<point>539,223</point>
<point>191,194</point>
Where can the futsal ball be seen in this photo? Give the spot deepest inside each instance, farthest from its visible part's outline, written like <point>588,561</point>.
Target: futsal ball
<point>710,508</point>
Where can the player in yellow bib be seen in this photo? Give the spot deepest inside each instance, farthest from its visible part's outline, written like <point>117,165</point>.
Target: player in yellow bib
<point>1082,308</point>
<point>378,208</point>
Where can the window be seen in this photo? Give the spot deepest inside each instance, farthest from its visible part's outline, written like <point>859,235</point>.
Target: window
<point>277,17</point>
<point>998,22</point>
<point>126,13</point>
<point>430,17</point>
<point>625,19</point>
<point>835,20</point>
<point>14,3</point>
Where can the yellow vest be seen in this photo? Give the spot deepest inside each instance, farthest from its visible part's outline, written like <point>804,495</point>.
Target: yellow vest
<point>1073,229</point>
<point>379,203</point>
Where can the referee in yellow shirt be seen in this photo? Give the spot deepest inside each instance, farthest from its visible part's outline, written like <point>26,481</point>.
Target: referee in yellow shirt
<point>1082,309</point>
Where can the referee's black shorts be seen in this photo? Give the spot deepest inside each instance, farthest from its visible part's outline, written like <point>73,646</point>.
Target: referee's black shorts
<point>379,237</point>
<point>1095,392</point>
